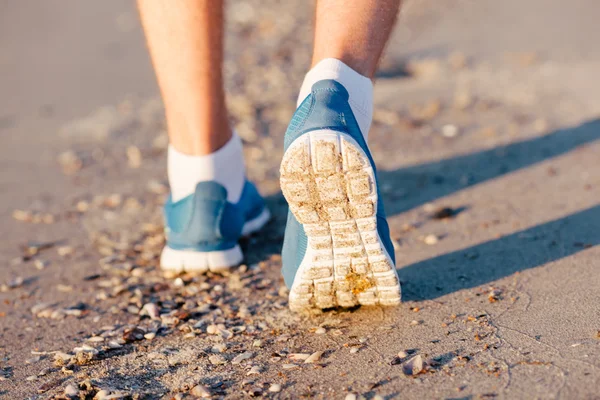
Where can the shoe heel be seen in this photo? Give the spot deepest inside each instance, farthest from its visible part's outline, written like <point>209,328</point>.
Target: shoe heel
<point>330,187</point>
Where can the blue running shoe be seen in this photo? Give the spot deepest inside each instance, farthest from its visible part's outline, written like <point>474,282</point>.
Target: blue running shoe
<point>203,229</point>
<point>337,250</point>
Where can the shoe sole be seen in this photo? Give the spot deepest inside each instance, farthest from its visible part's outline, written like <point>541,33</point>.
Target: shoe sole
<point>215,261</point>
<point>330,186</point>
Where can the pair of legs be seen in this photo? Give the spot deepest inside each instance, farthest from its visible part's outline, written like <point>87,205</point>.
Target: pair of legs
<point>186,45</point>
<point>337,249</point>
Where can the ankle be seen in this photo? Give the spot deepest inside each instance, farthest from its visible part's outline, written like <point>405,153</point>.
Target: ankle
<point>359,87</point>
<point>204,147</point>
<point>224,166</point>
<point>201,135</point>
<point>360,65</point>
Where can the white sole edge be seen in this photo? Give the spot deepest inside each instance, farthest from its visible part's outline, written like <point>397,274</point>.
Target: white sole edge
<point>330,186</point>
<point>214,261</point>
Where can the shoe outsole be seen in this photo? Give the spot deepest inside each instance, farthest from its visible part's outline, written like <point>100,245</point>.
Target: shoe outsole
<point>215,261</point>
<point>330,186</point>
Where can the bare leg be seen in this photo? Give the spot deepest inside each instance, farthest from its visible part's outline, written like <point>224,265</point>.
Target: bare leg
<point>354,32</point>
<point>185,38</point>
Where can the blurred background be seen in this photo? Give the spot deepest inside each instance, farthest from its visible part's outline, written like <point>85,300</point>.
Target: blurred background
<point>488,109</point>
<point>62,61</point>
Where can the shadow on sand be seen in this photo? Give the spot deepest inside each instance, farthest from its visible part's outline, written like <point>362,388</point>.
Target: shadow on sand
<point>495,259</point>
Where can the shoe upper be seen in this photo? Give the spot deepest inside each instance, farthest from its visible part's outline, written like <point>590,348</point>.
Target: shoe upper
<point>206,221</point>
<point>326,107</point>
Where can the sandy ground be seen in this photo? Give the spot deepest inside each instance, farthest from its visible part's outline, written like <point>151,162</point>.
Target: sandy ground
<point>490,109</point>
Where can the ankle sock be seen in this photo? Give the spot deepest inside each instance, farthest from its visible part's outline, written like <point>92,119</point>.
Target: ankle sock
<point>225,166</point>
<point>359,87</point>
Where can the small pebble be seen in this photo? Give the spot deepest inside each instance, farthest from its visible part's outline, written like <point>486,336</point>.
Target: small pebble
<point>134,157</point>
<point>431,239</point>
<point>314,357</point>
<point>225,334</point>
<point>212,329</point>
<point>217,359</point>
<point>298,356</point>
<point>255,370</point>
<point>113,201</point>
<point>320,331</point>
<point>33,360</point>
<point>275,388</point>
<point>218,348</point>
<point>70,161</point>
<point>61,358</point>
<point>449,131</point>
<point>242,357</point>
<point>102,394</point>
<point>71,391</point>
<point>200,391</point>
<point>64,251</point>
<point>151,310</point>
<point>133,309</point>
<point>22,215</point>
<point>67,371</point>
<point>82,206</point>
<point>414,366</point>
<point>13,284</point>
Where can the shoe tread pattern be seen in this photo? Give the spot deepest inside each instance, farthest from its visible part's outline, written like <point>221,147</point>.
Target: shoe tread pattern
<point>330,187</point>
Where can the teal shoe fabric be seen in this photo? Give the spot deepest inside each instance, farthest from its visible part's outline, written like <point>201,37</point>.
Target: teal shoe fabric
<point>326,107</point>
<point>205,221</point>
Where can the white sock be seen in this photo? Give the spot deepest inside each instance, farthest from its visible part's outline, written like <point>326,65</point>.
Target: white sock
<point>225,166</point>
<point>359,87</point>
